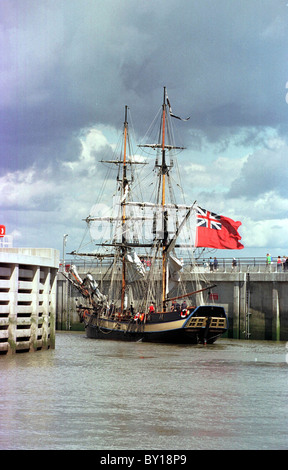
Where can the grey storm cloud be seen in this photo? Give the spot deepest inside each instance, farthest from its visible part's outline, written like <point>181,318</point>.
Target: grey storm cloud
<point>264,171</point>
<point>69,64</point>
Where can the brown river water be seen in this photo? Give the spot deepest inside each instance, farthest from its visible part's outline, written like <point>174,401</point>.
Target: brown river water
<point>107,395</point>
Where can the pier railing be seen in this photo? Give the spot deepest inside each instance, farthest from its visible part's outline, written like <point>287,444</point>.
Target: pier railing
<point>224,265</point>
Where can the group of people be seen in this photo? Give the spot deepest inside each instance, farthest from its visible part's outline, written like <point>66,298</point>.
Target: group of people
<point>282,263</point>
<point>146,263</point>
<point>213,263</point>
<point>143,317</point>
<point>176,307</point>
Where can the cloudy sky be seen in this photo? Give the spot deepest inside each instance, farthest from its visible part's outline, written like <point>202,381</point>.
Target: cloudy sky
<point>68,68</point>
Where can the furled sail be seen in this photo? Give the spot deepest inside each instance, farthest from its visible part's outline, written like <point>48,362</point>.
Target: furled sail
<point>135,269</point>
<point>173,272</point>
<point>88,286</point>
<point>90,283</point>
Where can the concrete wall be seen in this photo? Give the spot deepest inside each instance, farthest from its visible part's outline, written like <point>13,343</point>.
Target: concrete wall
<point>256,302</point>
<point>28,281</point>
<point>67,317</point>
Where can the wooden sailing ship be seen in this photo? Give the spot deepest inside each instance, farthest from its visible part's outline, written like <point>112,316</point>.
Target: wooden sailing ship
<point>146,299</point>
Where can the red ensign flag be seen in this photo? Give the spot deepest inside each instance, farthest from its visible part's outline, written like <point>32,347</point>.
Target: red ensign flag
<point>216,231</point>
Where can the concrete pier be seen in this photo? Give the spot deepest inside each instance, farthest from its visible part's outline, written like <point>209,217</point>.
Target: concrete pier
<point>28,281</point>
<point>256,304</point>
<point>256,300</point>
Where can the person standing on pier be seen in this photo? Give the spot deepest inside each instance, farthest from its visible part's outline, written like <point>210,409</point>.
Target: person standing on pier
<point>268,261</point>
<point>234,264</point>
<point>279,264</point>
<point>211,263</point>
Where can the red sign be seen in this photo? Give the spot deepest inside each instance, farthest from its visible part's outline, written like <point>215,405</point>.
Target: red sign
<point>213,296</point>
<point>2,230</point>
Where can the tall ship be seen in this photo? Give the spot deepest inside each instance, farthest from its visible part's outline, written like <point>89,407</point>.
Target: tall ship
<point>148,238</point>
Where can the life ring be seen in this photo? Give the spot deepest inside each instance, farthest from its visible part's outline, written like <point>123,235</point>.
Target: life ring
<point>184,313</point>
<point>85,314</point>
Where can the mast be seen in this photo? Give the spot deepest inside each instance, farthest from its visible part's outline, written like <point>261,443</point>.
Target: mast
<point>163,176</point>
<point>164,171</point>
<point>124,188</point>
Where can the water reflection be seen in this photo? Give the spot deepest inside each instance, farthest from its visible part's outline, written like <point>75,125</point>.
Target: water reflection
<point>89,394</point>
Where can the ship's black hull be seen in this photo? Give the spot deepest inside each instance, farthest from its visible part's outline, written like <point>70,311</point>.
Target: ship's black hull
<point>174,337</point>
<point>203,325</point>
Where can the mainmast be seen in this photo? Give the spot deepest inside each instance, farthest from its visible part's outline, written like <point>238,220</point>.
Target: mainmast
<point>124,190</point>
<point>164,172</point>
<point>163,176</point>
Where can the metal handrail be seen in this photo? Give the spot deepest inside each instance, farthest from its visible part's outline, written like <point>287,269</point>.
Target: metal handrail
<point>243,264</point>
